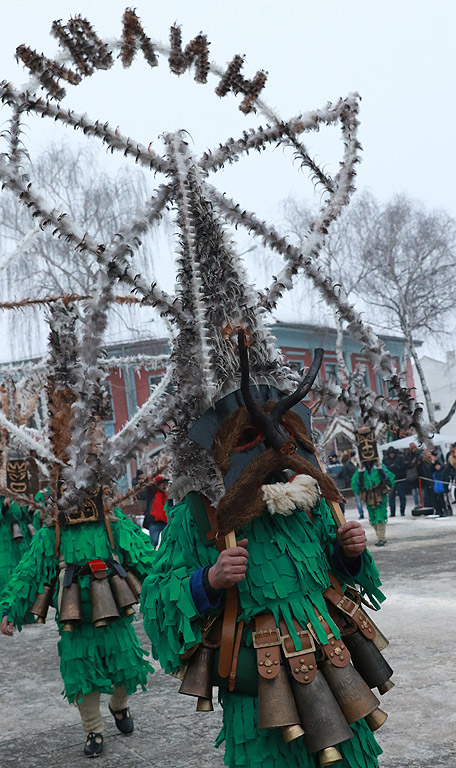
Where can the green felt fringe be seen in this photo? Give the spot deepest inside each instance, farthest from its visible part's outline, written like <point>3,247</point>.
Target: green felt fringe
<point>287,572</point>
<point>248,747</point>
<point>12,551</point>
<point>377,514</point>
<point>91,658</point>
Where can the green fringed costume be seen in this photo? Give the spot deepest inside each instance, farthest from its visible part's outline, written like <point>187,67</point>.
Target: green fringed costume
<point>287,572</point>
<point>12,551</point>
<point>372,479</point>
<point>91,659</point>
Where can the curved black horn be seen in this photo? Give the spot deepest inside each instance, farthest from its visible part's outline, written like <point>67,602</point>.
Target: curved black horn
<point>284,405</point>
<point>260,419</point>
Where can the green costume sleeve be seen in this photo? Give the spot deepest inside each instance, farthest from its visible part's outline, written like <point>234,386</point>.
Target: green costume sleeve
<point>37,567</point>
<point>170,616</point>
<point>368,579</point>
<point>135,545</point>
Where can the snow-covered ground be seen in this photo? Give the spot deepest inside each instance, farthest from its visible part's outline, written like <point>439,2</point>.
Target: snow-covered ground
<point>37,727</point>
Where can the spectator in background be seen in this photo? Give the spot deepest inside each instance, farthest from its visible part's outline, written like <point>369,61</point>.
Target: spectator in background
<point>350,466</point>
<point>451,461</point>
<point>426,470</point>
<point>155,516</point>
<point>395,463</point>
<point>441,480</point>
<point>412,458</point>
<point>336,471</point>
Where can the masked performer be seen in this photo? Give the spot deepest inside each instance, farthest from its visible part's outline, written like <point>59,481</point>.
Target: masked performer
<point>372,483</point>
<point>89,563</point>
<point>273,616</point>
<point>15,536</point>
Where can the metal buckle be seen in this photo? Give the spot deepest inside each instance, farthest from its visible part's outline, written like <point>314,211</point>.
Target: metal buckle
<point>275,631</point>
<point>291,654</point>
<point>344,610</point>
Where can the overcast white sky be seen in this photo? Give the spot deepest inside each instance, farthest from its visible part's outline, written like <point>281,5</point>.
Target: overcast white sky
<point>399,54</point>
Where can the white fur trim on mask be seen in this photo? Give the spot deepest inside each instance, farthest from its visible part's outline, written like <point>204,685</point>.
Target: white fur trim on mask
<point>283,498</point>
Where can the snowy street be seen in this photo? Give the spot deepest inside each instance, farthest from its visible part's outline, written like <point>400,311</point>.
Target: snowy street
<point>37,727</point>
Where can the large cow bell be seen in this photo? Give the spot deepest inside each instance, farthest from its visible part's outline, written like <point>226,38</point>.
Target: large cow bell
<point>320,715</point>
<point>369,662</point>
<point>70,606</point>
<point>277,707</point>
<point>353,695</point>
<point>123,595</point>
<point>198,678</point>
<point>104,608</point>
<point>41,604</point>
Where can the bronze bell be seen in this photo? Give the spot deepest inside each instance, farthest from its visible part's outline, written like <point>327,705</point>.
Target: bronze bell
<point>16,533</point>
<point>41,604</point>
<point>277,707</point>
<point>198,678</point>
<point>320,715</point>
<point>368,660</point>
<point>134,583</point>
<point>382,689</point>
<point>31,529</point>
<point>376,719</point>
<point>380,640</point>
<point>123,595</point>
<point>353,695</point>
<point>330,756</point>
<point>70,606</point>
<point>104,607</point>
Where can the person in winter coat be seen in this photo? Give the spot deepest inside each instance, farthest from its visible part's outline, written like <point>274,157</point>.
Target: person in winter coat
<point>412,458</point>
<point>336,472</point>
<point>441,480</point>
<point>395,463</point>
<point>426,470</point>
<point>155,517</point>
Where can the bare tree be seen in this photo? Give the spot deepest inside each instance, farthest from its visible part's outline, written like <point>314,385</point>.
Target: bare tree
<point>33,262</point>
<point>408,271</point>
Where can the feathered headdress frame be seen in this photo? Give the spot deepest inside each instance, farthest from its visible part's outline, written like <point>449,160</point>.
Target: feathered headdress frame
<point>212,294</point>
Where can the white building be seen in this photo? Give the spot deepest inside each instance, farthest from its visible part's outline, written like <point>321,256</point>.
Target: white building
<point>441,380</point>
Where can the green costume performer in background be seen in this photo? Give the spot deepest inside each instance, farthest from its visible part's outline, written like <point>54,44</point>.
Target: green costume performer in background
<point>373,485</point>
<point>93,660</point>
<point>15,537</point>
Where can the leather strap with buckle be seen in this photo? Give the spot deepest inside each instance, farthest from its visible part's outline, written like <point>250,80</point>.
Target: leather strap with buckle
<point>351,609</point>
<point>303,665</point>
<point>335,650</point>
<point>267,642</point>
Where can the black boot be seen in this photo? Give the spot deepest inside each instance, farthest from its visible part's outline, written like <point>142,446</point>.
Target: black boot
<point>94,745</point>
<point>123,720</point>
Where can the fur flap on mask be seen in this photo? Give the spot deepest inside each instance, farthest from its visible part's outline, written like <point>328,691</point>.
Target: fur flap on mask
<point>283,498</point>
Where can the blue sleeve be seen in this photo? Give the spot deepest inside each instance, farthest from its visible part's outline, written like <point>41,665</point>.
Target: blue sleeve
<point>350,566</point>
<point>204,602</point>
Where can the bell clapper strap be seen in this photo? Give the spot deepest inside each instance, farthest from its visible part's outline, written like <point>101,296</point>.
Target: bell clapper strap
<point>237,645</point>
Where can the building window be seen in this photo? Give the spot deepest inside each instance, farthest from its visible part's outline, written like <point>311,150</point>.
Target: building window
<point>154,379</point>
<point>437,407</point>
<point>332,373</point>
<point>108,403</point>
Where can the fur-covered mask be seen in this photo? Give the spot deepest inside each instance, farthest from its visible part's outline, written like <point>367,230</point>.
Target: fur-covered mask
<point>246,462</point>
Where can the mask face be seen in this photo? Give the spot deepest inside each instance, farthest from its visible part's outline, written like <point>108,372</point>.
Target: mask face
<point>227,431</point>
<point>17,476</point>
<point>92,511</point>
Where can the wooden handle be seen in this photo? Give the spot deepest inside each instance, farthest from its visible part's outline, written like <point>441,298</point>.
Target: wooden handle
<point>230,540</point>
